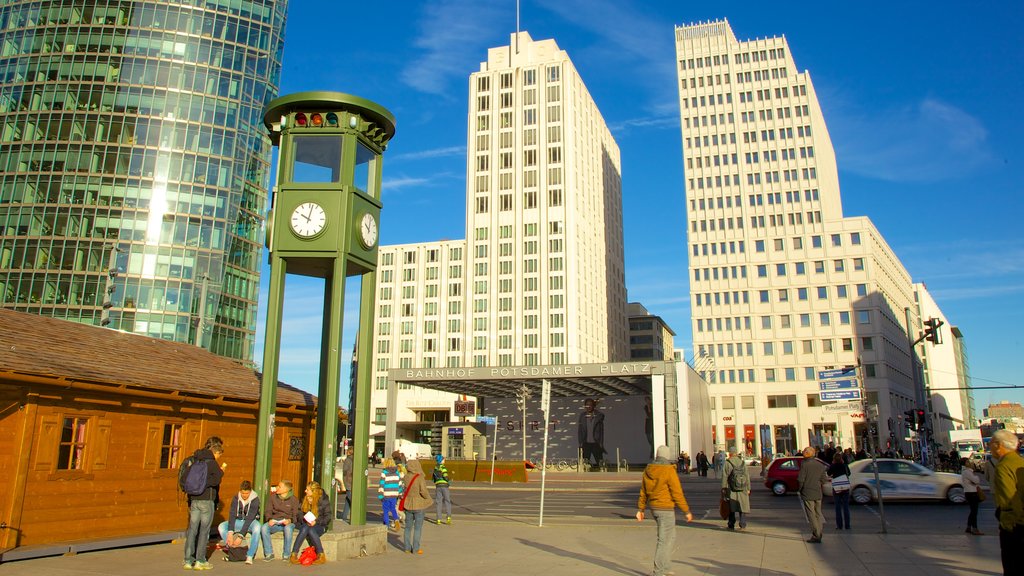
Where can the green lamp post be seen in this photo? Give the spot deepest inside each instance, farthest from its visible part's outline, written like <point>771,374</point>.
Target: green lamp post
<point>323,223</point>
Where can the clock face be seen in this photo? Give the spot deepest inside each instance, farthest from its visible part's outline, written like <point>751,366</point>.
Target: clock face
<point>308,219</point>
<point>368,231</point>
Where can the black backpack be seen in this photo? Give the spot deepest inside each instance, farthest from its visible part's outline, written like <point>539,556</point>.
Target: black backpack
<point>192,478</point>
<point>738,479</point>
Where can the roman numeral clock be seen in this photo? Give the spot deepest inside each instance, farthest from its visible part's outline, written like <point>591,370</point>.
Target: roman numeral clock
<point>323,223</point>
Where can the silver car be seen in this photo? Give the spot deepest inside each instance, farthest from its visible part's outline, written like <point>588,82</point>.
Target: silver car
<point>903,480</point>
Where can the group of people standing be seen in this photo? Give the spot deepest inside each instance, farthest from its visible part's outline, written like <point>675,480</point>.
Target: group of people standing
<point>403,488</point>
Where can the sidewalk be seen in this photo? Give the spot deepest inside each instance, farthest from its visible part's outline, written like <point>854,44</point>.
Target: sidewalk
<point>513,548</point>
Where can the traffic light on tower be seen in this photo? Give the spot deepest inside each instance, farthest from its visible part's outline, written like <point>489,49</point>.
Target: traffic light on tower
<point>316,119</point>
<point>919,418</point>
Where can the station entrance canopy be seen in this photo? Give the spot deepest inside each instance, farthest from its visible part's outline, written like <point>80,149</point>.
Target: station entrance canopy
<point>591,380</point>
<point>639,399</point>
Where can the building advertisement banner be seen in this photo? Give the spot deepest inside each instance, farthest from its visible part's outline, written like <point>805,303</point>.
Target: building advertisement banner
<point>596,426</point>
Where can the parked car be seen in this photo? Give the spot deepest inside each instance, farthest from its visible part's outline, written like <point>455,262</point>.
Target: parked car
<point>903,480</point>
<point>780,476</point>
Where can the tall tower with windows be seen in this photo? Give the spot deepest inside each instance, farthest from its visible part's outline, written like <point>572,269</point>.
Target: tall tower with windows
<point>782,285</point>
<point>134,167</point>
<point>540,277</point>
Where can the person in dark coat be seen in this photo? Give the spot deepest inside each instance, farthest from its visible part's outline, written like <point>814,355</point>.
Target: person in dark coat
<point>591,433</point>
<point>200,508</point>
<point>702,464</point>
<point>840,495</point>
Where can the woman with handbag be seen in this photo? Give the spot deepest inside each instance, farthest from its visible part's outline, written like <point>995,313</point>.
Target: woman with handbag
<point>971,482</point>
<point>414,502</point>
<point>839,472</point>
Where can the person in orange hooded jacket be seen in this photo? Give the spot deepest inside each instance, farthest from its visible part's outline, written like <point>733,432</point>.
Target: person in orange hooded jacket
<point>662,493</point>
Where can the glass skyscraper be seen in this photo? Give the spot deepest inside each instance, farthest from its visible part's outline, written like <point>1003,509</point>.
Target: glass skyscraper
<point>134,166</point>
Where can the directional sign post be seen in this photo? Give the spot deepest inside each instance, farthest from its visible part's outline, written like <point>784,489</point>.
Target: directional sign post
<point>545,405</point>
<point>843,384</point>
<point>849,372</point>
<point>834,395</point>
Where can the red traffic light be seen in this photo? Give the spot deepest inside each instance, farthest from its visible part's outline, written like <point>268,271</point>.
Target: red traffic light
<point>300,119</point>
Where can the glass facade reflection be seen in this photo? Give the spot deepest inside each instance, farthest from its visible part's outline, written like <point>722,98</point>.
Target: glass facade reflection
<point>134,165</point>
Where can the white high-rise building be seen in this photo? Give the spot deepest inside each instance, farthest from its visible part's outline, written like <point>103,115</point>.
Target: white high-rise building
<point>782,285</point>
<point>946,373</point>
<point>540,279</point>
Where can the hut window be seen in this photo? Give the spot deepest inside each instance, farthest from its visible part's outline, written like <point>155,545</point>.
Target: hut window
<point>71,455</point>
<point>170,447</point>
<point>296,448</point>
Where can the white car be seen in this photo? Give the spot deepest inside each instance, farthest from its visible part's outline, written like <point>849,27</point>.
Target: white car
<point>903,480</point>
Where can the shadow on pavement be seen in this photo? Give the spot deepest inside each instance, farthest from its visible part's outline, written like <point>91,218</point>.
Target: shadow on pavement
<point>606,564</point>
<point>711,566</point>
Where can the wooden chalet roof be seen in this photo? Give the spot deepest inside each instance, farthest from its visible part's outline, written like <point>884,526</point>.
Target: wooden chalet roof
<point>32,345</point>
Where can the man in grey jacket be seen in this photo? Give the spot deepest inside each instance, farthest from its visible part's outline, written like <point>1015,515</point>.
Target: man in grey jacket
<point>811,478</point>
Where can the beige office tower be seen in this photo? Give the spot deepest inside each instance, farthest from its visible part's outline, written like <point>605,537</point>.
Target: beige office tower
<point>540,278</point>
<point>783,286</point>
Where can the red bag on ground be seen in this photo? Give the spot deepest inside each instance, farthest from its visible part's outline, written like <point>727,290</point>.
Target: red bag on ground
<point>308,556</point>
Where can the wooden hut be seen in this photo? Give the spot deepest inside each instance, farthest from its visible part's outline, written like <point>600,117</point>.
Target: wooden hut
<point>93,425</point>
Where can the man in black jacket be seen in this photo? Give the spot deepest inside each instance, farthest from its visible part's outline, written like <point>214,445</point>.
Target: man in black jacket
<point>591,433</point>
<point>200,508</point>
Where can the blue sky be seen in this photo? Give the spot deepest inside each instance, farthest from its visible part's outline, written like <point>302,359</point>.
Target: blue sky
<point>919,100</point>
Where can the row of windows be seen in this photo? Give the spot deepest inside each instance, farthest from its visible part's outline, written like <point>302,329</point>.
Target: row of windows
<point>800,268</point>
<point>738,58</point>
<point>743,296</point>
<point>774,198</point>
<point>784,374</point>
<point>785,321</point>
<point>784,133</point>
<point>789,347</point>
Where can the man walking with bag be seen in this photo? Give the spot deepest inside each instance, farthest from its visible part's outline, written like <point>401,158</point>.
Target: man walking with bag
<point>736,489</point>
<point>811,478</point>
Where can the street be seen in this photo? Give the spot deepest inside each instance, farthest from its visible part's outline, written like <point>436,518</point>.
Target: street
<point>572,499</point>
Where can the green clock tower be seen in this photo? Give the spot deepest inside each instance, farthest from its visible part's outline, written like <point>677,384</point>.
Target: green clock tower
<point>324,223</point>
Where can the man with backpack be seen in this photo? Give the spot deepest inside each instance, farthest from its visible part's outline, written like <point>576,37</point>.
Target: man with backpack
<point>199,478</point>
<point>442,495</point>
<point>736,489</point>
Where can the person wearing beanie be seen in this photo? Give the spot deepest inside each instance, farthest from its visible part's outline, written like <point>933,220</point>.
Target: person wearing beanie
<point>442,483</point>
<point>661,491</point>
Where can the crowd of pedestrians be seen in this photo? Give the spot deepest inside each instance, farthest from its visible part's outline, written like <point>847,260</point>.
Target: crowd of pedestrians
<point>405,499</point>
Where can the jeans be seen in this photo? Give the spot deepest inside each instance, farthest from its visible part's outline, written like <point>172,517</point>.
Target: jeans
<point>413,529</point>
<point>389,509</point>
<point>812,510</point>
<point>666,520</point>
<point>239,527</point>
<point>267,530</point>
<point>972,516</point>
<point>197,538</point>
<point>443,496</point>
<point>842,500</point>
<point>346,511</point>
<point>312,534</point>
